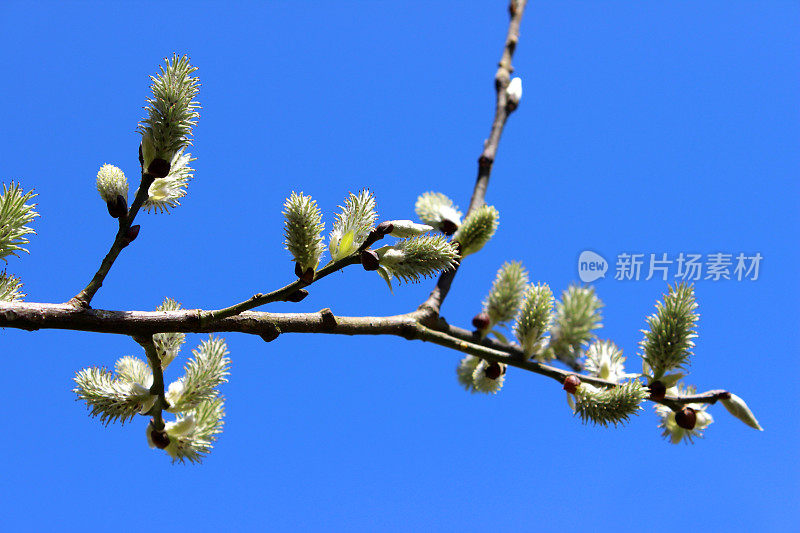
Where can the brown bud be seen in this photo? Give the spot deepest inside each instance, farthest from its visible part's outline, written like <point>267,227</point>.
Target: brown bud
<point>271,334</point>
<point>494,370</point>
<point>384,228</point>
<point>307,275</point>
<point>131,234</point>
<point>657,390</point>
<point>158,436</point>
<point>571,383</point>
<point>297,296</point>
<point>448,227</point>
<point>158,168</point>
<point>369,260</point>
<point>686,418</point>
<point>328,319</point>
<point>481,321</point>
<point>118,207</point>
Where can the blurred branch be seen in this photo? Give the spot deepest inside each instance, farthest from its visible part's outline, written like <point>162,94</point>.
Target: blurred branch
<point>432,306</point>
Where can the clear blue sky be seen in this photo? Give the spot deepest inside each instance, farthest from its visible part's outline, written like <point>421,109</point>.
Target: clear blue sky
<point>644,127</point>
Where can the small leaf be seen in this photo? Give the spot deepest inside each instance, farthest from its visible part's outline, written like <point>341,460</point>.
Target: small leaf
<point>387,277</point>
<point>347,241</point>
<point>502,338</point>
<point>670,380</point>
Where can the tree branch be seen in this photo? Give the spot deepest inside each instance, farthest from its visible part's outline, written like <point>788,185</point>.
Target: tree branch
<point>84,298</point>
<point>143,324</point>
<point>432,306</point>
<point>146,342</point>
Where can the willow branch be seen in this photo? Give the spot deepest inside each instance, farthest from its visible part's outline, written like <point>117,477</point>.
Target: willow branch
<point>143,324</point>
<point>84,298</point>
<point>157,388</point>
<point>432,306</point>
<point>282,294</point>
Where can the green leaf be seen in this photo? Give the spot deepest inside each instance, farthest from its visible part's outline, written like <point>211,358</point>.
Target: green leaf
<point>502,338</point>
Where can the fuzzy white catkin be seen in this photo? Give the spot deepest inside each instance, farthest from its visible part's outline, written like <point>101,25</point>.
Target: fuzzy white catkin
<point>111,182</point>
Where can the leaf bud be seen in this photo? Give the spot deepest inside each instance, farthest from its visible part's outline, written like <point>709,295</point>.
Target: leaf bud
<point>131,234</point>
<point>297,296</point>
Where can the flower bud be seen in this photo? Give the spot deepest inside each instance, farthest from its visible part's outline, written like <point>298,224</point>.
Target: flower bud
<point>738,408</point>
<point>303,231</point>
<point>488,377</point>
<point>571,383</point>
<point>384,228</point>
<point>514,93</point>
<point>481,321</point>
<point>686,418</point>
<point>437,210</point>
<point>111,183</point>
<point>407,228</point>
<point>477,229</point>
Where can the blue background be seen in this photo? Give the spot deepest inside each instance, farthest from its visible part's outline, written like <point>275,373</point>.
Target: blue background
<point>644,127</point>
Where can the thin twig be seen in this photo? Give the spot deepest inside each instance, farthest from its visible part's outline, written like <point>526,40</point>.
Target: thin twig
<point>432,306</point>
<point>84,298</point>
<point>207,317</point>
